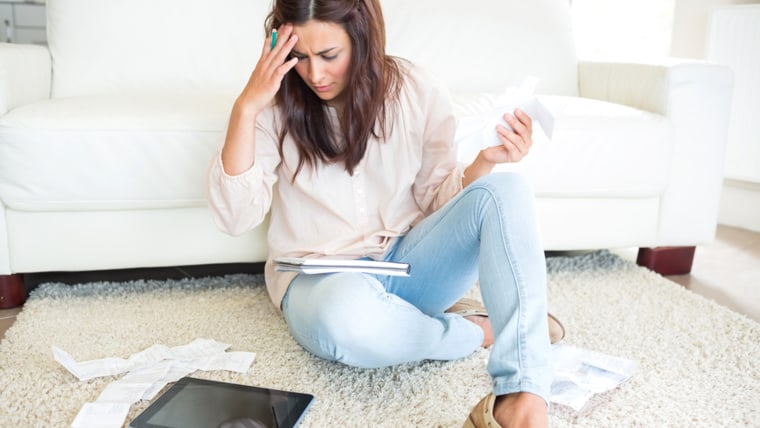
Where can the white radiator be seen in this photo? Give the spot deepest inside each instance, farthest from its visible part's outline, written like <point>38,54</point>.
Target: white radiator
<point>733,39</point>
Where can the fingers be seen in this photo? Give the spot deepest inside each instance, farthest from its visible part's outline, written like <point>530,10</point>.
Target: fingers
<point>520,122</point>
<point>274,62</point>
<point>518,140</point>
<point>521,128</point>
<point>516,148</point>
<point>283,69</point>
<point>284,40</point>
<point>271,68</point>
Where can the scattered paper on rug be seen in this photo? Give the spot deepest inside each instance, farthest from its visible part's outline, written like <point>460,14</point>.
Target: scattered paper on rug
<point>579,374</point>
<point>148,372</point>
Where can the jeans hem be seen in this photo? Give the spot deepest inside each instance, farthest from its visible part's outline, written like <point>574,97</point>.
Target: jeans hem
<point>506,387</point>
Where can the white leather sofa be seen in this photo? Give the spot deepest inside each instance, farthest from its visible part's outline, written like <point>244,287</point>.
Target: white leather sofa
<point>106,134</point>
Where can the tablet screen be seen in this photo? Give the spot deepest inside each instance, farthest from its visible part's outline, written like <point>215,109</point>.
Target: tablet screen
<point>200,403</point>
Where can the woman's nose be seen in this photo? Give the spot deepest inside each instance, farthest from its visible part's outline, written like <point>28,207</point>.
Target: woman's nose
<point>315,71</point>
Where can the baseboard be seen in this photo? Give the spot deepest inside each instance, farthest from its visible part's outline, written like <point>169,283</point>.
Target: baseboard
<point>740,204</point>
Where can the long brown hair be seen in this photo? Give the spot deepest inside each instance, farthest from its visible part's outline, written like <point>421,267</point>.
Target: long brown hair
<point>374,83</point>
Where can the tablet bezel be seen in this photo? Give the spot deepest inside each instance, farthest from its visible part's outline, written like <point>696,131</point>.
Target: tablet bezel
<point>304,401</point>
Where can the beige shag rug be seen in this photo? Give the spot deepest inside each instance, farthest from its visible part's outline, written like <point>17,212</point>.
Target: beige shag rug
<point>699,363</point>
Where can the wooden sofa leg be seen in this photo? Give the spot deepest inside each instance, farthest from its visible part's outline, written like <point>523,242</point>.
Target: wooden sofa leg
<point>12,291</point>
<point>667,260</point>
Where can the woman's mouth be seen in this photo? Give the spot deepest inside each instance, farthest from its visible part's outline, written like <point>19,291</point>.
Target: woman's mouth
<point>322,88</point>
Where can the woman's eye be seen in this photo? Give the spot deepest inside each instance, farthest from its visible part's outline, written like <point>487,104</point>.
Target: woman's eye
<point>329,57</point>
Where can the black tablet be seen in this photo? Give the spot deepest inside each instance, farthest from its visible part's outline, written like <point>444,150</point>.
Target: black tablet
<point>191,403</point>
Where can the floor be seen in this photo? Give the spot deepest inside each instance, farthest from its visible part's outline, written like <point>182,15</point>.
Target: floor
<point>726,271</point>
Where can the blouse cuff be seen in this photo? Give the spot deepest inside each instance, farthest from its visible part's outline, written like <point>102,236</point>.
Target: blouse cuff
<point>246,179</point>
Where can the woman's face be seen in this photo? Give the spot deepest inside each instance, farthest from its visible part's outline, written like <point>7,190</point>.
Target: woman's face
<point>324,57</point>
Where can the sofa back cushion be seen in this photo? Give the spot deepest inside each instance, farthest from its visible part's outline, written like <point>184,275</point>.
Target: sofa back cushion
<point>127,46</point>
<point>118,46</point>
<point>487,45</point>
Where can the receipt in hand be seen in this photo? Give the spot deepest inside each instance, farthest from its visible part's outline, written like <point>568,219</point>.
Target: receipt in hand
<point>482,126</point>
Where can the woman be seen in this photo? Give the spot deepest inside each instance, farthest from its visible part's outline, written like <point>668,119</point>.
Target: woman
<point>353,153</point>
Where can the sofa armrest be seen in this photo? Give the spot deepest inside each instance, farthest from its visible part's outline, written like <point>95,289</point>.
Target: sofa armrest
<point>696,97</point>
<point>632,84</point>
<point>25,75</point>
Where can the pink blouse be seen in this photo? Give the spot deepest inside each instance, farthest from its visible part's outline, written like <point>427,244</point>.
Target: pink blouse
<point>326,212</point>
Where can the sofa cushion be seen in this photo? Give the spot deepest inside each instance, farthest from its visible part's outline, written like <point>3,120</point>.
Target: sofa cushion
<point>598,149</point>
<point>110,152</point>
<point>134,152</point>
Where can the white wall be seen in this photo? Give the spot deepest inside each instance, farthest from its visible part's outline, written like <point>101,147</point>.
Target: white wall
<point>740,205</point>
<point>690,20</point>
<point>740,200</point>
<point>628,29</point>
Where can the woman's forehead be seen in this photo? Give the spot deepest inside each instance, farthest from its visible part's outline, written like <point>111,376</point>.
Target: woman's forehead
<point>317,36</point>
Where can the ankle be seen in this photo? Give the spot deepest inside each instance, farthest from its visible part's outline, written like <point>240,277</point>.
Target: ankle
<point>521,409</point>
<point>485,324</point>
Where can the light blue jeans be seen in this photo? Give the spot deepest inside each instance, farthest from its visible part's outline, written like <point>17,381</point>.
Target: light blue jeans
<point>488,233</point>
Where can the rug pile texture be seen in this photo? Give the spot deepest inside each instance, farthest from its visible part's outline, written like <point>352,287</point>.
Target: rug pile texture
<point>699,363</point>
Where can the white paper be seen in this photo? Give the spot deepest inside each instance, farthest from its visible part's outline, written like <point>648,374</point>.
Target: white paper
<point>231,361</point>
<point>479,129</point>
<point>158,375</point>
<point>86,370</point>
<point>148,372</point>
<point>198,348</point>
<point>150,356</point>
<point>101,415</point>
<point>579,374</point>
<point>122,391</point>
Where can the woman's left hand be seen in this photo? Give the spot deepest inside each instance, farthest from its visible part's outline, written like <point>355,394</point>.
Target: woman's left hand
<point>515,143</point>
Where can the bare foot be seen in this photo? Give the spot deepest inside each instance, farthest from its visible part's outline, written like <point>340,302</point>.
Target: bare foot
<point>521,409</point>
<point>485,324</point>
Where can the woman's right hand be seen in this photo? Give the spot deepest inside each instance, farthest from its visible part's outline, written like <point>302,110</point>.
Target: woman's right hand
<point>238,153</point>
<point>267,76</point>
